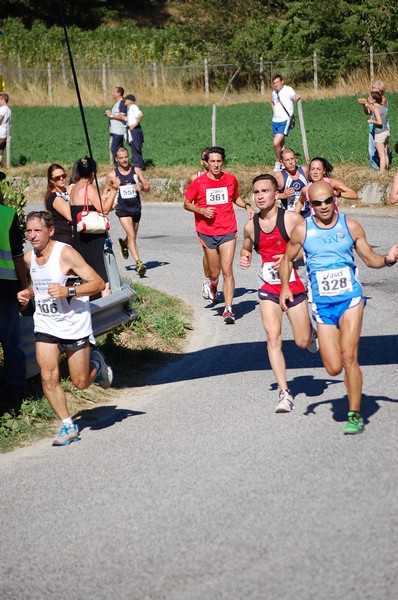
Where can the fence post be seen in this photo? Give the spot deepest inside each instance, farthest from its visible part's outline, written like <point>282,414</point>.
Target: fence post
<point>155,75</point>
<point>207,88</point>
<point>19,68</point>
<point>213,126</point>
<point>8,147</point>
<point>371,65</point>
<point>303,132</point>
<point>104,86</point>
<point>49,83</point>
<point>64,77</point>
<point>315,71</point>
<point>262,87</point>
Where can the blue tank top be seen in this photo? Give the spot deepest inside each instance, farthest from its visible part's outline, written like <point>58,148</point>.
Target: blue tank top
<point>128,200</point>
<point>328,252</point>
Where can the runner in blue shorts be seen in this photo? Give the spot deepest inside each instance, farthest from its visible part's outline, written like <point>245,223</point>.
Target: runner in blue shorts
<point>328,239</point>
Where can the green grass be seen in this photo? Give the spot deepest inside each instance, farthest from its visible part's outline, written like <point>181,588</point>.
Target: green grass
<point>174,135</point>
<point>154,336</point>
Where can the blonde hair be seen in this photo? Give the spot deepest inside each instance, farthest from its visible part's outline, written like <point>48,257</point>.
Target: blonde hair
<point>380,85</point>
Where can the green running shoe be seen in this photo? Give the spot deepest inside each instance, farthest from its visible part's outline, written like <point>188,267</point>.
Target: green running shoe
<point>124,250</point>
<point>354,423</point>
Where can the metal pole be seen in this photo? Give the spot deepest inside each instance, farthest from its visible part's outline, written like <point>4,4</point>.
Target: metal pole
<point>155,76</point>
<point>213,126</point>
<point>315,71</point>
<point>207,88</point>
<point>104,80</point>
<point>302,130</point>
<point>262,86</point>
<point>371,65</point>
<point>49,84</point>
<point>8,147</point>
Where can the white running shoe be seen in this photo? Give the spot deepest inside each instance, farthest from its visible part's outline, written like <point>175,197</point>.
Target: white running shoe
<point>104,376</point>
<point>313,345</point>
<point>206,291</point>
<point>285,403</point>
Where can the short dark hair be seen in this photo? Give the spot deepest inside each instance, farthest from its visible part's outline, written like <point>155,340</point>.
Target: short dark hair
<point>266,177</point>
<point>41,215</point>
<point>277,76</point>
<point>120,90</point>
<point>215,150</point>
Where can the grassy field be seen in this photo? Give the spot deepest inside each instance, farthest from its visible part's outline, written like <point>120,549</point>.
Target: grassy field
<point>336,128</point>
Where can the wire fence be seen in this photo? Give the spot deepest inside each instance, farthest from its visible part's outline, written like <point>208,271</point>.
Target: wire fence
<point>205,77</point>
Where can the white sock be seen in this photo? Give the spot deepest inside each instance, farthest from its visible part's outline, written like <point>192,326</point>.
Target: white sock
<point>67,422</point>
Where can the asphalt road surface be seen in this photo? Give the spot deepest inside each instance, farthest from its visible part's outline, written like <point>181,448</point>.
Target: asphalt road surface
<point>192,488</point>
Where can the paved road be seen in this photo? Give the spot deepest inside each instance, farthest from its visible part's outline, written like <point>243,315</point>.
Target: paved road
<point>193,488</point>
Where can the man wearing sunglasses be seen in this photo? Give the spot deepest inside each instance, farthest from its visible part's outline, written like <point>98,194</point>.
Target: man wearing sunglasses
<point>328,239</point>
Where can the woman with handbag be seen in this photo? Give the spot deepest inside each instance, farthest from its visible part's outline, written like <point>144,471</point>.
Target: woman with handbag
<point>90,223</point>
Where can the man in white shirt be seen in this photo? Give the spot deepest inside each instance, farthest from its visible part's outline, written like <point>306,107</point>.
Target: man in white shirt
<point>117,121</point>
<point>282,102</point>
<point>5,121</point>
<point>134,131</point>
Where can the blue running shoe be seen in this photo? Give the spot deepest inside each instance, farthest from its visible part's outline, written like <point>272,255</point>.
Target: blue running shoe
<point>66,435</point>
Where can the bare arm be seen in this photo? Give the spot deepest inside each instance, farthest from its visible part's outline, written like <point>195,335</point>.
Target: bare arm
<point>301,199</point>
<point>394,190</point>
<point>342,190</point>
<point>292,250</point>
<point>145,186</point>
<point>239,201</point>
<point>365,105</point>
<point>191,207</point>
<point>107,197</point>
<point>247,246</point>
<point>377,118</point>
<point>72,262</point>
<point>366,252</point>
<point>62,207</point>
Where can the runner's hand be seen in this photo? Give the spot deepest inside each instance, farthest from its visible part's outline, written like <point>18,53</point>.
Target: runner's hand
<point>285,295</point>
<point>245,260</point>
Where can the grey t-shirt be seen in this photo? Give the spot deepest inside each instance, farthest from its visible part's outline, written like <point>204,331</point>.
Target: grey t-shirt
<point>115,126</point>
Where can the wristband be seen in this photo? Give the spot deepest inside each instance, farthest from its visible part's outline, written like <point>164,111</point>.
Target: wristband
<point>71,292</point>
<point>387,263</point>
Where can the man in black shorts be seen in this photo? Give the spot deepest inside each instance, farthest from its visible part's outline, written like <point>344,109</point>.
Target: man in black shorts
<point>62,319</point>
<point>128,204</point>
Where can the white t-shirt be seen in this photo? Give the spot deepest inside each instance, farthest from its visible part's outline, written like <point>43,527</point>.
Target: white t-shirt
<point>285,96</point>
<point>5,112</point>
<point>133,113</point>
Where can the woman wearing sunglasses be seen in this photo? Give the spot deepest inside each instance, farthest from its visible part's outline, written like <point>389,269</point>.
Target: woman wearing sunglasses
<point>56,202</point>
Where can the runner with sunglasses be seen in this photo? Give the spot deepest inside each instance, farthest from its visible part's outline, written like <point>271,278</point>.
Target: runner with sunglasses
<point>328,239</point>
<point>56,202</point>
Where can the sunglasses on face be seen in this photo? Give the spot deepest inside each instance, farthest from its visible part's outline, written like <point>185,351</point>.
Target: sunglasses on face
<point>318,203</point>
<point>59,177</point>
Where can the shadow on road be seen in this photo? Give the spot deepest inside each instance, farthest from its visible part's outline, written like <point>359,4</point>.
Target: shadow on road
<point>102,417</point>
<point>339,407</point>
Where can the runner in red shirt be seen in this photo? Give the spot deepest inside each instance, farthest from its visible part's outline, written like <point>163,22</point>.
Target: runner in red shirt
<point>210,198</point>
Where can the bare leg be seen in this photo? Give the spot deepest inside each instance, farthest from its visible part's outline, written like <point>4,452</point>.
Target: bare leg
<point>48,356</point>
<point>350,330</point>
<point>227,253</point>
<point>279,142</point>
<point>81,372</point>
<point>131,230</point>
<point>300,322</point>
<point>271,315</point>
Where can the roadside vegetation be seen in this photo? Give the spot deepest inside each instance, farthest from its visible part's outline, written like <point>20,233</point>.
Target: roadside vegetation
<point>155,337</point>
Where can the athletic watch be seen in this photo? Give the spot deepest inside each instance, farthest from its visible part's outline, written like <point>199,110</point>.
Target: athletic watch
<point>388,263</point>
<point>71,292</point>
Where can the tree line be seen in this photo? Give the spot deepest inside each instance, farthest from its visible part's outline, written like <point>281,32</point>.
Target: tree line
<point>184,31</point>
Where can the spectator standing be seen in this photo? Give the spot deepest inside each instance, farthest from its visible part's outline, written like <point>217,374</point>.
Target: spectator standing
<point>377,86</point>
<point>5,122</point>
<point>57,203</point>
<point>117,121</point>
<point>12,280</point>
<point>135,135</point>
<point>378,118</point>
<point>282,102</point>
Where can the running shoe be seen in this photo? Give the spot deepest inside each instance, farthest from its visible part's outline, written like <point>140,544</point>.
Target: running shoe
<point>229,317</point>
<point>285,403</point>
<point>354,423</point>
<point>66,435</point>
<point>124,250</point>
<point>313,345</point>
<point>206,291</point>
<point>141,268</point>
<point>104,376</point>
<point>213,293</point>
